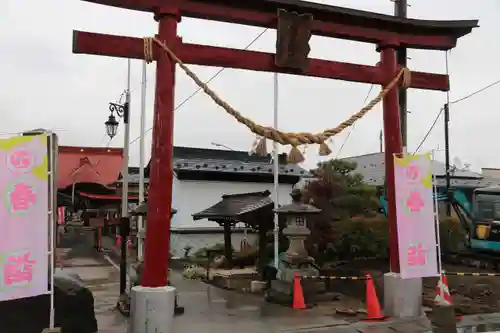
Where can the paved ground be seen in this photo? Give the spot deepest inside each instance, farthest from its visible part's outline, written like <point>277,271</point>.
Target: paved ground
<point>212,310</point>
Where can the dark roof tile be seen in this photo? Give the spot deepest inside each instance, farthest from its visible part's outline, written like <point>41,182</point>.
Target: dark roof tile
<point>234,207</point>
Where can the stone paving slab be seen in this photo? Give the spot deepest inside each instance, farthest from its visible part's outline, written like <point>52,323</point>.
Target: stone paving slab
<point>411,325</point>
<point>374,329</point>
<point>474,320</point>
<point>212,310</point>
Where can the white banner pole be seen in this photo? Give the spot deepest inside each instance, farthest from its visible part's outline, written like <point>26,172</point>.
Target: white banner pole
<point>52,218</point>
<point>276,171</point>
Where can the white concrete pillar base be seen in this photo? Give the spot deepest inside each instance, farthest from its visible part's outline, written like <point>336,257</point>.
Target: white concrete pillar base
<point>402,297</point>
<point>152,309</point>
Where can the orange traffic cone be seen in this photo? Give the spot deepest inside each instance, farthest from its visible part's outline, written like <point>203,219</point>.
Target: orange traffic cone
<point>373,309</point>
<point>443,296</point>
<point>298,295</point>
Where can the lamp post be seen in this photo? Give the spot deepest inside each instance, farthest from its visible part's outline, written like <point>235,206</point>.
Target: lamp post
<point>122,111</point>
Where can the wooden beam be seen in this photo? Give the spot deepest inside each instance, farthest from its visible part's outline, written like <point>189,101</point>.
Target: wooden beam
<point>132,47</point>
<point>204,55</point>
<point>330,21</point>
<point>108,45</point>
<point>264,62</point>
<point>325,28</point>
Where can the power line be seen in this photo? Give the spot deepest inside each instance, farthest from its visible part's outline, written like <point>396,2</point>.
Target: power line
<point>476,92</point>
<point>181,104</point>
<point>430,130</point>
<point>454,102</point>
<point>353,125</point>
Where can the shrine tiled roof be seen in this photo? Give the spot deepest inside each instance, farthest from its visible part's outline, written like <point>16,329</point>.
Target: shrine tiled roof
<point>230,161</point>
<point>142,209</point>
<point>88,165</point>
<point>235,207</point>
<point>202,160</point>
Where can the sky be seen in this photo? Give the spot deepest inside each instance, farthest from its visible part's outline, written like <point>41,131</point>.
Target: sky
<point>44,85</point>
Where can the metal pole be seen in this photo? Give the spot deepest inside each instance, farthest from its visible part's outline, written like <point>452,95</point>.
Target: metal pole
<point>124,222</point>
<point>276,168</point>
<point>53,221</point>
<point>140,221</point>
<point>400,7</point>
<point>381,141</point>
<point>447,154</point>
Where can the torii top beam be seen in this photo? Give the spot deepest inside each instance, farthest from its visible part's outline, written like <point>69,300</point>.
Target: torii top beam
<point>329,21</point>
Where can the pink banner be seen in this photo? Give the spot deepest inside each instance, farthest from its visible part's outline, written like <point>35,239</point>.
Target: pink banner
<point>415,216</point>
<point>24,221</point>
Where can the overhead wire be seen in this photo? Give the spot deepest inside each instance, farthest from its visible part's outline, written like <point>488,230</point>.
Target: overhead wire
<point>187,99</point>
<point>474,93</point>
<point>430,130</point>
<point>354,125</point>
<point>454,102</point>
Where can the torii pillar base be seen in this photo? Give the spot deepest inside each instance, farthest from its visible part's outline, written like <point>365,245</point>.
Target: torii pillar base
<point>402,297</point>
<point>152,309</point>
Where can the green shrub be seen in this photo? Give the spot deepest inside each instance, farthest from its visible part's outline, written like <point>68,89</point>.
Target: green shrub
<point>202,252</point>
<point>369,237</point>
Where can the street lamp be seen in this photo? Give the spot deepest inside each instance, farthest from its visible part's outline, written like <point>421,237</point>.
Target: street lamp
<point>111,126</point>
<point>122,111</point>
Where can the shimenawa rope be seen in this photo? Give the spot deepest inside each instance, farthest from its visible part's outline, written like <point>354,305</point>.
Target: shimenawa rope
<point>294,139</point>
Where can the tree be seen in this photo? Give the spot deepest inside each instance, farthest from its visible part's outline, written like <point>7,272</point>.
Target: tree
<point>341,194</point>
<point>339,191</point>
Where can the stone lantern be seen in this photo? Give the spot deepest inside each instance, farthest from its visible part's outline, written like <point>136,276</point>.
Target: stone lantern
<point>295,259</point>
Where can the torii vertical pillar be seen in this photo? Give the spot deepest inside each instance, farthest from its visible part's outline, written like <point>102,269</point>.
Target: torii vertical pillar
<point>402,298</point>
<point>153,302</point>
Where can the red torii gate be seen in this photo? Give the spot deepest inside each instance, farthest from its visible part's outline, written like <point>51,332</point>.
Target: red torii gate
<point>387,32</point>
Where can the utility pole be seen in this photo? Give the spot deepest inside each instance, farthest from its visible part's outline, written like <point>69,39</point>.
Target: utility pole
<point>381,141</point>
<point>276,171</point>
<point>447,154</point>
<point>400,7</point>
<point>124,220</point>
<point>140,219</point>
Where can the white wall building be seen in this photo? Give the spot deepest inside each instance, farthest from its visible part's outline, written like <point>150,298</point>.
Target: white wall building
<point>203,176</point>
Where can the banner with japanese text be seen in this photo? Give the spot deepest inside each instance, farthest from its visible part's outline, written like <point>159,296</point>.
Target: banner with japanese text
<point>24,222</point>
<point>415,216</point>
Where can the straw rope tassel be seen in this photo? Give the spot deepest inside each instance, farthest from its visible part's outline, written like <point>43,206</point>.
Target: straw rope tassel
<point>324,150</point>
<point>295,156</point>
<point>293,139</point>
<point>261,147</point>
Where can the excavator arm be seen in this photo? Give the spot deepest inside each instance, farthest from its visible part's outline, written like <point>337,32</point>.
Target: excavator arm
<point>458,201</point>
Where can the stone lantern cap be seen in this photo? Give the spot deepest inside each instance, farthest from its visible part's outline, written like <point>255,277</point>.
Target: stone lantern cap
<point>297,207</point>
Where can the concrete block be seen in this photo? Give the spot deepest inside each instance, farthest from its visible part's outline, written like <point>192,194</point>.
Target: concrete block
<point>402,297</point>
<point>152,309</point>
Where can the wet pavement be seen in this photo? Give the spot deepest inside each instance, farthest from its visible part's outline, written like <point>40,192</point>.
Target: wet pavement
<point>103,280</point>
<point>213,310</point>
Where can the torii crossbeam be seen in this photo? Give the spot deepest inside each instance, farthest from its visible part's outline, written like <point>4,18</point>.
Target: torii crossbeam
<point>387,32</point>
